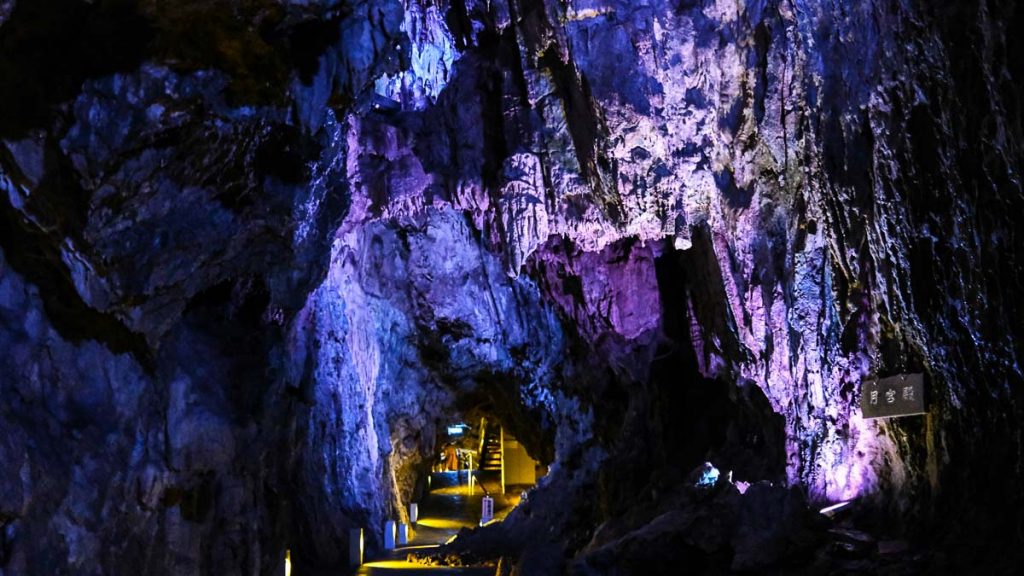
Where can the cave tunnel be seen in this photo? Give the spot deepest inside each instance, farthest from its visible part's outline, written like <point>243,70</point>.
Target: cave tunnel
<point>517,287</point>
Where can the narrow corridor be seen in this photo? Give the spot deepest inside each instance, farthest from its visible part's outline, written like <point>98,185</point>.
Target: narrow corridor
<point>446,509</point>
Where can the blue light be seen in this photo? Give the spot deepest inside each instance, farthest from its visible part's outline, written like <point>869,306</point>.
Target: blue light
<point>708,476</point>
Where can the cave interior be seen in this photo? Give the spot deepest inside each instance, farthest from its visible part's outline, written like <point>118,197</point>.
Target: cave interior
<point>678,286</point>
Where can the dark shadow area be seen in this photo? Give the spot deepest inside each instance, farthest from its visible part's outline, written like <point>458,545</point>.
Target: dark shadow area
<point>35,250</point>
<point>731,424</point>
<point>685,418</point>
<point>49,47</point>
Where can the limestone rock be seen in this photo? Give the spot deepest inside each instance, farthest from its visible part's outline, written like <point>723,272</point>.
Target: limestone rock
<point>253,253</point>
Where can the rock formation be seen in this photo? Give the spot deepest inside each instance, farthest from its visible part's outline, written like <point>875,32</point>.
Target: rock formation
<point>253,253</point>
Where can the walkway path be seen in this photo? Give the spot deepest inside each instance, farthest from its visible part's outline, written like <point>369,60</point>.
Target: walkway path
<point>446,509</point>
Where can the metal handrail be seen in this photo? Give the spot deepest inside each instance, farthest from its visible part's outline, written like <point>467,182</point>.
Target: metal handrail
<point>483,435</point>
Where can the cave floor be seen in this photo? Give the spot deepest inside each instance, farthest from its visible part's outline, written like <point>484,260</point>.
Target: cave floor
<point>446,509</point>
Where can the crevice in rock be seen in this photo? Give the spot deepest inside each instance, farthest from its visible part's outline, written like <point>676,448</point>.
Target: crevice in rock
<point>37,253</point>
<point>254,254</point>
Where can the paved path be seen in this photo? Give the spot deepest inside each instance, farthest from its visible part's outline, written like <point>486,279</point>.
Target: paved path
<point>446,509</point>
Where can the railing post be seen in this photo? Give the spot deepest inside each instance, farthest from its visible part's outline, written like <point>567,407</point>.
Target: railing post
<point>389,535</point>
<point>483,436</point>
<point>355,547</point>
<point>501,454</point>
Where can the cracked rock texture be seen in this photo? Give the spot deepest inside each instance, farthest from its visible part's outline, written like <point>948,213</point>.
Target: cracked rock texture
<point>254,254</point>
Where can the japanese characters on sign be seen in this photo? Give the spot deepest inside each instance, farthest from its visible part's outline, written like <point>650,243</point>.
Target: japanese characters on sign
<point>901,395</point>
<point>488,510</point>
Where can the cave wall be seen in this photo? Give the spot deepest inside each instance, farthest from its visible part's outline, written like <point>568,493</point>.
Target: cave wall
<point>170,185</point>
<point>253,251</point>
<point>112,465</point>
<point>800,156</point>
<point>412,326</point>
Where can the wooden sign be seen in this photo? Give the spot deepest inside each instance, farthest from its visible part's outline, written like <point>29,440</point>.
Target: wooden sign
<point>901,395</point>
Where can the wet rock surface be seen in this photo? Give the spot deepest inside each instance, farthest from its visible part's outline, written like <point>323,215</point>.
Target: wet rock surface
<point>254,254</point>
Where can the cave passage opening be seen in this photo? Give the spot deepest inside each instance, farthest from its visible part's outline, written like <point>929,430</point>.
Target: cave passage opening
<point>474,474</point>
<point>476,454</point>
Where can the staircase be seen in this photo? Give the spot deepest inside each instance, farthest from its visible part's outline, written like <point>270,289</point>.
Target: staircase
<point>491,455</point>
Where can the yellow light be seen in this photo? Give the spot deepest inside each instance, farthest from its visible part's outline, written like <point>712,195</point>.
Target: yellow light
<point>417,547</point>
<point>460,490</point>
<point>401,564</point>
<point>287,563</point>
<point>442,524</point>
